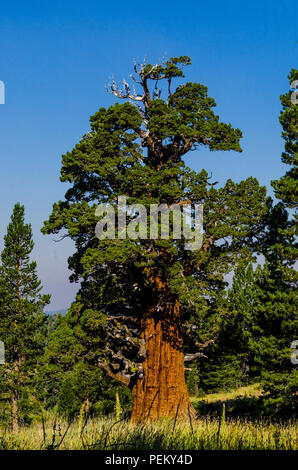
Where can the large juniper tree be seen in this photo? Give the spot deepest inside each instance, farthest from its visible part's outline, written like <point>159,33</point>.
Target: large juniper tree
<point>141,299</point>
<point>21,314</point>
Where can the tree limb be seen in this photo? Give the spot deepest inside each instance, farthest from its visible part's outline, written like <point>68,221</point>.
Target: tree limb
<point>120,376</point>
<point>192,357</point>
<point>124,92</point>
<point>204,345</point>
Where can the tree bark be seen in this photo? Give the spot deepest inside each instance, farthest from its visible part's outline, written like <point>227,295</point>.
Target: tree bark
<point>14,412</point>
<point>162,390</point>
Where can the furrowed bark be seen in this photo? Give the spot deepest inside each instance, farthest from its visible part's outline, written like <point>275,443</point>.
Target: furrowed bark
<point>162,390</point>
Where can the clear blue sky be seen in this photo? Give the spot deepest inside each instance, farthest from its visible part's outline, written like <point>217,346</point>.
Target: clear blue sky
<point>56,58</point>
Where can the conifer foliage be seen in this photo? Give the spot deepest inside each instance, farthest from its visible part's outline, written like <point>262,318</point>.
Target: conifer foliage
<point>281,252</point>
<point>140,298</point>
<point>262,322</point>
<point>21,317</point>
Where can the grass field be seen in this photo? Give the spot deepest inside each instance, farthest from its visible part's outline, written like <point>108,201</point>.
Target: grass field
<point>250,391</point>
<point>205,433</point>
<point>105,434</point>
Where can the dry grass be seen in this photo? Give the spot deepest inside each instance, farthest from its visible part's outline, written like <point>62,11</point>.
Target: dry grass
<point>250,391</point>
<point>106,434</point>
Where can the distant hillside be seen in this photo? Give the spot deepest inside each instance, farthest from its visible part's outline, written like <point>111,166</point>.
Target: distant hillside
<point>53,312</point>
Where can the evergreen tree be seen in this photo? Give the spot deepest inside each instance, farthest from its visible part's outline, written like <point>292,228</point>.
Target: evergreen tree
<point>67,378</point>
<point>281,252</point>
<point>228,363</point>
<point>140,298</point>
<point>286,188</point>
<point>264,300</point>
<point>274,324</point>
<point>21,315</point>
<point>256,333</point>
<point>264,306</point>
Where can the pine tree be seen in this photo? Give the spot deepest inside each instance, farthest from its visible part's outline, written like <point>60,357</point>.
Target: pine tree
<point>264,307</point>
<point>140,298</point>
<point>21,314</point>
<point>228,364</point>
<point>67,377</point>
<point>286,188</point>
<point>281,252</point>
<point>274,324</point>
<point>265,300</point>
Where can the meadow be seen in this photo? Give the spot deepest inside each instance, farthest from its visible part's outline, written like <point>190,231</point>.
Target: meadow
<point>205,433</point>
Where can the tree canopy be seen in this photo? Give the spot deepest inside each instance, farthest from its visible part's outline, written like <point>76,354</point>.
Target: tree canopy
<point>130,286</point>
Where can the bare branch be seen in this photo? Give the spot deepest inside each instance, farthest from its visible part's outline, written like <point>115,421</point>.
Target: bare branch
<point>204,345</point>
<point>192,357</point>
<point>135,80</point>
<point>123,92</point>
<point>61,238</point>
<point>157,91</point>
<point>169,89</point>
<point>120,376</point>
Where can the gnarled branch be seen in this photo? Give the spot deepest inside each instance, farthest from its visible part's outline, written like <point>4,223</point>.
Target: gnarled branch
<point>192,357</point>
<point>124,92</point>
<point>120,376</point>
<point>204,345</point>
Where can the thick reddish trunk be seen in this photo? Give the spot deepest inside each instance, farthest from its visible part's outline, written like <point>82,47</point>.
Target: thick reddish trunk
<point>162,391</point>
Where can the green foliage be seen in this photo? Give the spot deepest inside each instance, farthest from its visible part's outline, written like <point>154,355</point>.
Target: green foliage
<point>65,380</point>
<point>21,316</point>
<point>191,381</point>
<point>261,322</point>
<point>263,305</point>
<point>220,374</point>
<point>281,377</point>
<point>67,401</point>
<point>286,187</point>
<point>137,151</point>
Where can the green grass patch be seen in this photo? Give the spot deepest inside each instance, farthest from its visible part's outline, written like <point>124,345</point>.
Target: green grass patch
<point>250,391</point>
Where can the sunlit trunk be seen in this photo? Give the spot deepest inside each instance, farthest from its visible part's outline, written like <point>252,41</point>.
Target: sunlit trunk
<point>162,391</point>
